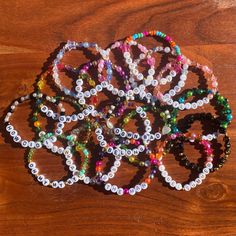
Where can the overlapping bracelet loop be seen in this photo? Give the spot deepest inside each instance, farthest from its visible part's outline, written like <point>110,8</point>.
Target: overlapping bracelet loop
<point>105,121</point>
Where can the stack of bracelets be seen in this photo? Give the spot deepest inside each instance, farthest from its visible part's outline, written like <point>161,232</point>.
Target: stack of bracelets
<point>136,95</point>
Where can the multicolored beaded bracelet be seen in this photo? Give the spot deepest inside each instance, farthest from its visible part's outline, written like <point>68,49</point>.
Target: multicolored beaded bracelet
<point>11,130</point>
<point>218,161</point>
<point>132,190</point>
<point>201,176</point>
<point>70,45</point>
<point>225,114</point>
<point>55,183</point>
<point>47,140</point>
<point>154,33</point>
<point>208,74</point>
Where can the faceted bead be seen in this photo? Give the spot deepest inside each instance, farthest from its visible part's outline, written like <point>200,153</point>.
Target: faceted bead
<point>92,83</point>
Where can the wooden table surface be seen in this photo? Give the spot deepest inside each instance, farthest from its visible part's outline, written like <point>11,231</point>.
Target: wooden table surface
<point>29,32</point>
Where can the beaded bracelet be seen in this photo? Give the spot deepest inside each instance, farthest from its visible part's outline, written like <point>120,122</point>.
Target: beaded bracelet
<point>60,117</point>
<point>70,45</point>
<point>78,88</point>
<point>50,138</point>
<point>11,130</point>
<point>154,33</point>
<point>164,80</point>
<point>104,83</point>
<point>129,92</point>
<point>189,119</point>
<point>45,181</point>
<point>106,62</point>
<point>132,66</point>
<point>208,74</point>
<point>132,190</point>
<point>225,113</point>
<point>194,105</point>
<point>183,159</point>
<point>149,79</point>
<point>47,140</point>
<point>179,58</point>
<point>103,177</point>
<point>131,135</point>
<point>41,107</point>
<point>201,176</point>
<point>147,136</point>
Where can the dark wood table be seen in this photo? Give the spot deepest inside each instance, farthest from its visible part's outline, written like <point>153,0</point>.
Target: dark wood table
<point>30,31</point>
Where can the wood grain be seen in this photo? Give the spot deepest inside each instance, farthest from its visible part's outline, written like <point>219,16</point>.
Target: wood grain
<point>30,31</point>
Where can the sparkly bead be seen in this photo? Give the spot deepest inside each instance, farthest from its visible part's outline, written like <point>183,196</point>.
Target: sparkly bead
<point>178,186</point>
<point>126,191</point>
<point>36,123</point>
<point>148,180</point>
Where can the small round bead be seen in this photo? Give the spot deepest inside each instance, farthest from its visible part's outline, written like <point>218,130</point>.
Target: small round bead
<point>202,176</point>
<point>161,167</point>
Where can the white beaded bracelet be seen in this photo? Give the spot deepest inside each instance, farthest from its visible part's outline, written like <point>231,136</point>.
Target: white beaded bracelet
<point>56,183</point>
<point>70,45</point>
<point>11,129</point>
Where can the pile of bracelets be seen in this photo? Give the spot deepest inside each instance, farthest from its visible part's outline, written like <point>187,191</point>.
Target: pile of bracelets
<point>108,98</point>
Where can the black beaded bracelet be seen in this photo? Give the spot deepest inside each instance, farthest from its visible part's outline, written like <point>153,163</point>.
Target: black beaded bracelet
<point>217,163</point>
